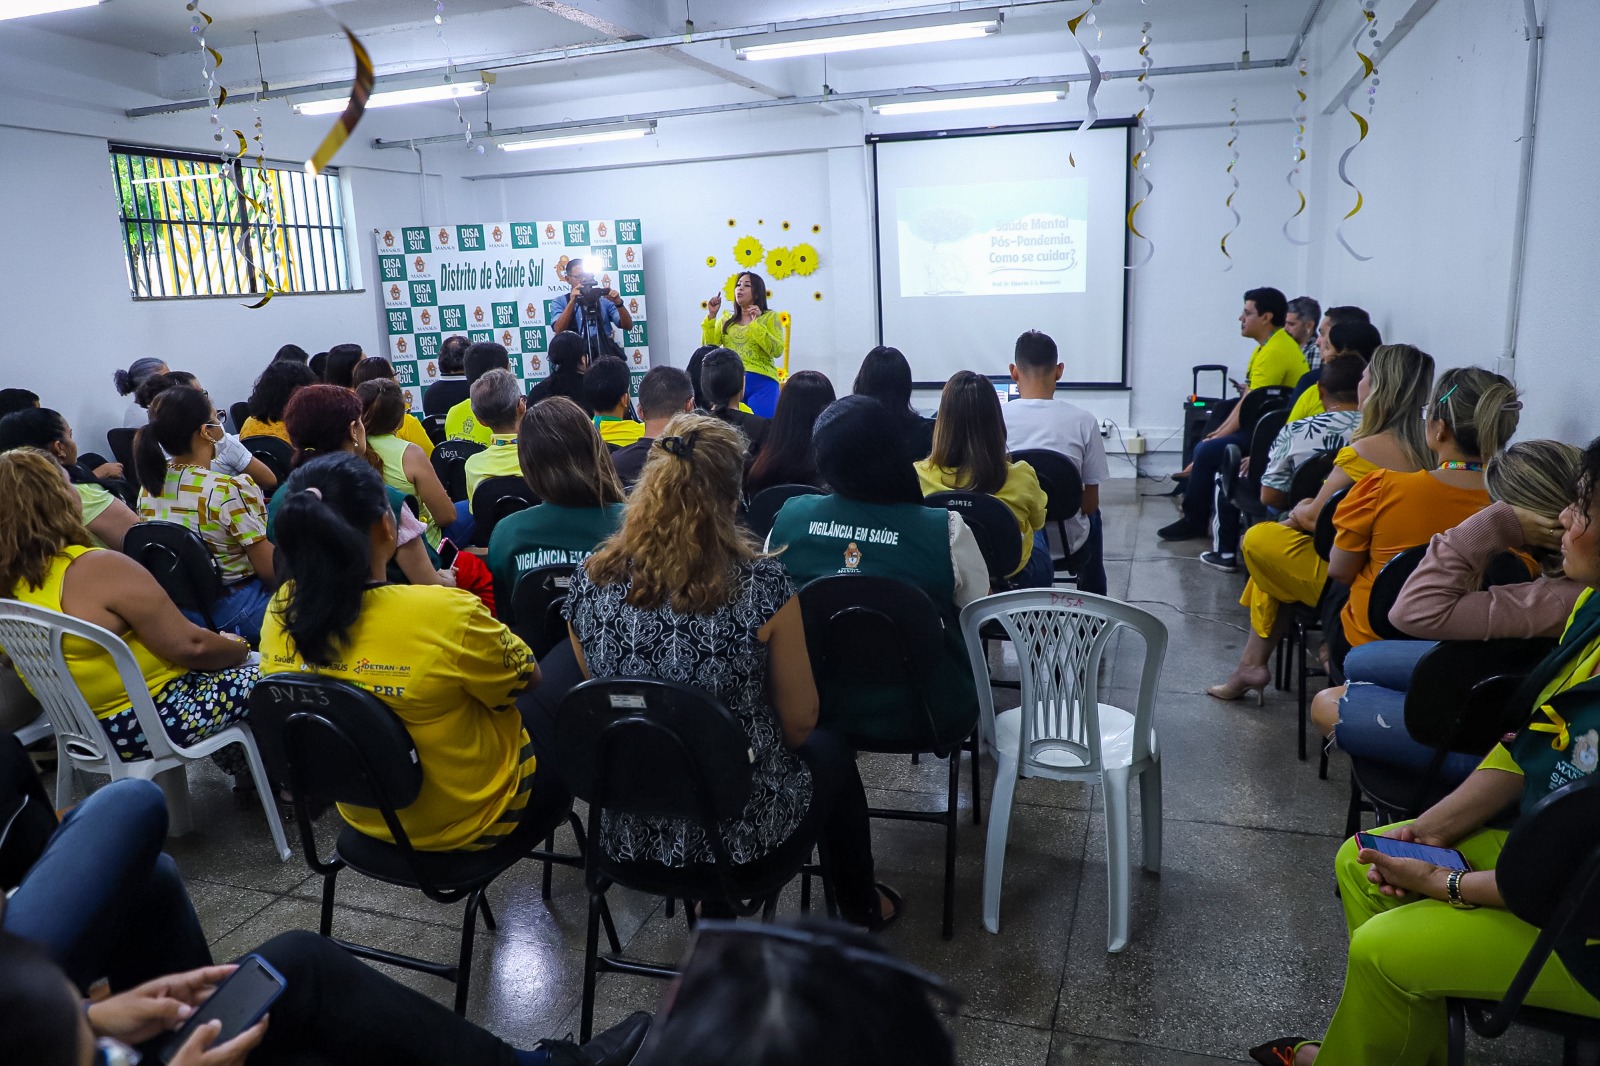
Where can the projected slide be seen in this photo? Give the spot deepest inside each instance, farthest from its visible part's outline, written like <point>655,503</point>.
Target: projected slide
<point>995,238</point>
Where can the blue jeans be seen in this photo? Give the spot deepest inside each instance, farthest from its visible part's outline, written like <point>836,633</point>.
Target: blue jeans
<point>240,610</point>
<point>1039,572</point>
<point>1198,490</point>
<point>460,531</point>
<point>1088,563</point>
<point>1372,714</point>
<point>760,393</point>
<point>103,899</point>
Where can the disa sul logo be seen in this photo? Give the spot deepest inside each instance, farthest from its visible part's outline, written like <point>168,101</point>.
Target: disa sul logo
<point>410,402</point>
<point>549,231</point>
<point>633,307</point>
<point>496,234</point>
<point>394,292</point>
<point>628,255</point>
<point>601,230</point>
<point>533,361</point>
<point>388,238</point>
<point>477,314</point>
<point>605,281</point>
<point>505,338</point>
<point>529,311</point>
<point>400,345</point>
<point>638,357</point>
<point>431,370</point>
<point>427,318</point>
<point>444,235</point>
<point>418,264</point>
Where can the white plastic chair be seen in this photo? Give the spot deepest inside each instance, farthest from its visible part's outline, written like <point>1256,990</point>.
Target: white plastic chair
<point>1068,734</point>
<point>32,637</point>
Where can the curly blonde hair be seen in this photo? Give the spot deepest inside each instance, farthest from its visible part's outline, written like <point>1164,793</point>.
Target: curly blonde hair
<point>42,516</point>
<point>679,543</point>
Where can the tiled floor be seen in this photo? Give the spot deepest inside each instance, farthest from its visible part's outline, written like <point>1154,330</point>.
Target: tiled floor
<point>1240,938</point>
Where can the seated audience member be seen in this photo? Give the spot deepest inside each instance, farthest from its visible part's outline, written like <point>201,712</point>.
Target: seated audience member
<point>159,970</point>
<point>497,403</point>
<point>775,995</point>
<point>605,396</point>
<point>1036,419</point>
<point>271,395</point>
<point>1300,322</point>
<point>172,457</point>
<point>886,377</point>
<point>14,400</point>
<point>1322,348</point>
<point>341,365</point>
<point>200,680</point>
<point>372,368</point>
<point>727,619</point>
<point>104,513</point>
<point>862,458</point>
<point>451,681</point>
<point>1355,337</point>
<point>1277,360</point>
<point>128,382</point>
<point>969,455</point>
<point>788,457</point>
<point>1283,562</point>
<point>291,353</point>
<point>1531,484</point>
<point>722,378</point>
<point>1295,443</point>
<point>1408,950</point>
<point>1473,414</point>
<point>232,457</point>
<point>324,419</point>
<point>319,366</point>
<point>459,423</point>
<point>664,391</point>
<point>451,387</point>
<point>406,469</point>
<point>568,359</point>
<point>566,464</point>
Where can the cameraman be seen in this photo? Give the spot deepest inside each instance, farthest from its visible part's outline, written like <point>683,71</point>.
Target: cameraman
<point>594,314</point>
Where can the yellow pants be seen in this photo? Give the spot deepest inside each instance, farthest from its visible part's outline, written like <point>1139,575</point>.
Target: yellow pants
<point>1407,956</point>
<point>1284,568</point>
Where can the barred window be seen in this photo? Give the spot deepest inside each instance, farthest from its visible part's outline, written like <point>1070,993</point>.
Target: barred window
<point>193,225</point>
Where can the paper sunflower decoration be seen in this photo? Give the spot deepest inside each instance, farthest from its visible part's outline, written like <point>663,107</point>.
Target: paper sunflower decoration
<point>733,222</point>
<point>711,260</point>
<point>783,318</point>
<point>816,229</point>
<point>748,251</point>
<point>816,296</point>
<point>805,259</point>
<point>780,263</point>
<point>786,225</point>
<point>730,285</point>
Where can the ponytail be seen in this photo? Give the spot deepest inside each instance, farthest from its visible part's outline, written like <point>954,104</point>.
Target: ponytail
<point>323,524</point>
<point>176,415</point>
<point>142,369</point>
<point>1495,417</point>
<point>1479,407</point>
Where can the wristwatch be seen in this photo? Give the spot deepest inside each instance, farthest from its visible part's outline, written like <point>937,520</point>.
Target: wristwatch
<point>1452,890</point>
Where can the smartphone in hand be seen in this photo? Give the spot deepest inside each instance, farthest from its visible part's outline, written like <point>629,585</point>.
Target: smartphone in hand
<point>447,554</point>
<point>239,1002</point>
<point>1449,858</point>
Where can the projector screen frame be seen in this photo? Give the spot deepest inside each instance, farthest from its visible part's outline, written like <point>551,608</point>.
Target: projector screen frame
<point>1127,125</point>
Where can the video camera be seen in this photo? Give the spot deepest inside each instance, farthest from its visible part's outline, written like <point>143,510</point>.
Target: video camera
<point>590,292</point>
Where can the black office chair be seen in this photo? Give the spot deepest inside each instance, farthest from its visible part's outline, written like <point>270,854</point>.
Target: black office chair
<point>1307,479</point>
<point>120,441</point>
<point>1306,620</point>
<point>433,426</point>
<point>494,499</point>
<point>331,742</point>
<point>180,562</point>
<point>274,452</point>
<point>1386,590</point>
<point>1549,876</point>
<point>993,526</point>
<point>450,463</point>
<point>764,506</point>
<point>1243,492</point>
<point>535,605</point>
<point>1258,402</point>
<point>237,413</point>
<point>864,631</point>
<point>659,749</point>
<point>1063,492</point>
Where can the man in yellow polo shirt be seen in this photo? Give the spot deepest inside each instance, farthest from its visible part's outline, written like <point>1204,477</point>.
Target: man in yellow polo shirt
<point>1277,360</point>
<point>459,422</point>
<point>498,404</point>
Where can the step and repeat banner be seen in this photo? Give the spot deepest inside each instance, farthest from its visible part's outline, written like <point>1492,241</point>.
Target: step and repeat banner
<point>496,281</point>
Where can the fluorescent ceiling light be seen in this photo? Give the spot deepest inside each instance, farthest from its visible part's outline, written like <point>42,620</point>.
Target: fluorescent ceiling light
<point>396,97</point>
<point>934,103</point>
<point>832,40</point>
<point>560,138</point>
<point>16,9</point>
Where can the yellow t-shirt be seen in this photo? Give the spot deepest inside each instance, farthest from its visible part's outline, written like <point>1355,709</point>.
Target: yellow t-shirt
<point>461,424</point>
<point>93,669</point>
<point>499,459</point>
<point>411,431</point>
<point>254,427</point>
<point>1021,493</point>
<point>453,681</point>
<point>619,431</point>
<point>1277,362</point>
<point>1309,403</point>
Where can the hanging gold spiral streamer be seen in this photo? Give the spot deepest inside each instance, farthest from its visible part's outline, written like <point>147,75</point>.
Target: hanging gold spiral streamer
<point>1233,141</point>
<point>1095,77</point>
<point>1299,157</point>
<point>1368,70</point>
<point>1141,158</point>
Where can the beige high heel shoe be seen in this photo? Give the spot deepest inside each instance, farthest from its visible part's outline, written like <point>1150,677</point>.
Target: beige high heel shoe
<point>1237,687</point>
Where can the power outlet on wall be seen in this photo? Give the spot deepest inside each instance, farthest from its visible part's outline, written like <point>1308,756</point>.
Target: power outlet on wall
<point>1105,427</point>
